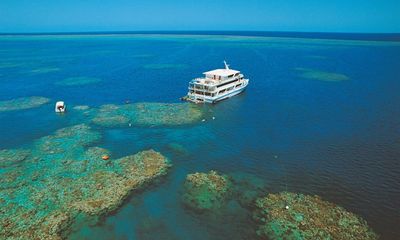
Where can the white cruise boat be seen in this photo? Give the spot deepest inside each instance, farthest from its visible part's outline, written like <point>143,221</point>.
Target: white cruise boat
<point>216,85</point>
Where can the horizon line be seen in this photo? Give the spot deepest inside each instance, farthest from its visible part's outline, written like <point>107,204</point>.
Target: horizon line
<point>191,31</point>
<point>363,36</point>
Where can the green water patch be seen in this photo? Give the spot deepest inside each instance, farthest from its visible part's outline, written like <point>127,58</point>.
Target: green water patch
<point>160,66</point>
<point>63,179</point>
<point>296,216</point>
<point>313,74</point>
<point>22,103</point>
<point>78,81</point>
<point>147,114</point>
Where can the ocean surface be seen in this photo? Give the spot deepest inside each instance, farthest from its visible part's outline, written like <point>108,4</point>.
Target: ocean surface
<point>320,116</point>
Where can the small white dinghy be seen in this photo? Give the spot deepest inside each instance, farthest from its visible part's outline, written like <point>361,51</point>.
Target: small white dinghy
<point>60,107</point>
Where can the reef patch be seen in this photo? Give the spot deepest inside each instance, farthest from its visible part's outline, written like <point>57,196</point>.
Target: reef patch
<point>314,74</point>
<point>147,114</point>
<point>9,157</point>
<point>78,81</point>
<point>206,191</point>
<point>22,103</point>
<point>62,179</point>
<point>296,216</point>
<point>45,70</point>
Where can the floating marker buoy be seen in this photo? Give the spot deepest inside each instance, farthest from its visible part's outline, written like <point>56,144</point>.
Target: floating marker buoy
<point>130,124</point>
<point>105,157</point>
<point>213,118</point>
<point>203,120</point>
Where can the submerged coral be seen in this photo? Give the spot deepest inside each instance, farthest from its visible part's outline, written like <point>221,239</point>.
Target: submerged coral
<point>206,191</point>
<point>78,81</point>
<point>22,103</point>
<point>147,114</point>
<point>81,107</point>
<point>45,70</point>
<point>297,216</point>
<point>154,228</point>
<point>247,188</point>
<point>321,75</point>
<point>44,191</point>
<point>177,148</point>
<point>9,157</point>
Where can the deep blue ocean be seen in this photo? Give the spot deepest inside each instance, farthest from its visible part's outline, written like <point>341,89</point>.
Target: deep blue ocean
<point>320,116</point>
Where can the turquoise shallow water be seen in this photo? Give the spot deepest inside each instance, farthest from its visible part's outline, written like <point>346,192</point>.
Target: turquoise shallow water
<point>319,117</point>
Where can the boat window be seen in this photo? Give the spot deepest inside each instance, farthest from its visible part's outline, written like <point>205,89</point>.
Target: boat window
<point>227,83</point>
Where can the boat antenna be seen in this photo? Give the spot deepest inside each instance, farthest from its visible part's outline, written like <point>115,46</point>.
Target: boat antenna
<point>226,65</point>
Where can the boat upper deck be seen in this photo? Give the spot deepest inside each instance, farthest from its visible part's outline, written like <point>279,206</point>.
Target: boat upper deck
<point>221,72</point>
<point>217,77</point>
<point>206,81</point>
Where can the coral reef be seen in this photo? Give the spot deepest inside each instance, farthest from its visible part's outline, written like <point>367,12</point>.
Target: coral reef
<point>321,75</point>
<point>81,107</point>
<point>62,179</point>
<point>9,157</point>
<point>78,81</point>
<point>22,103</point>
<point>296,216</point>
<point>147,114</point>
<point>206,191</point>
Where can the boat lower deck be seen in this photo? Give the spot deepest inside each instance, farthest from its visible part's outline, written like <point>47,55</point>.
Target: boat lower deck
<point>197,98</point>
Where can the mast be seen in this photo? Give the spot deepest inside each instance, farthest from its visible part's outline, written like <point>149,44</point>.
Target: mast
<point>226,65</point>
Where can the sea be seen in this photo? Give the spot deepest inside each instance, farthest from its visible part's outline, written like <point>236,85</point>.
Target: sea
<point>321,116</point>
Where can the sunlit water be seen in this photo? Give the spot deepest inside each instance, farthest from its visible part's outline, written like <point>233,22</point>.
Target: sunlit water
<point>319,117</point>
